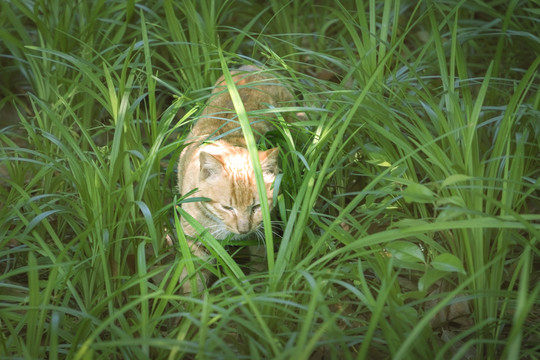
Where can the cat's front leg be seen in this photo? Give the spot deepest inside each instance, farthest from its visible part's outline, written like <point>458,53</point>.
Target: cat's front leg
<point>202,276</point>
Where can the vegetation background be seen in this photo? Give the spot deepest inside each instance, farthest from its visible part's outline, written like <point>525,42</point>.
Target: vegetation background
<point>408,221</point>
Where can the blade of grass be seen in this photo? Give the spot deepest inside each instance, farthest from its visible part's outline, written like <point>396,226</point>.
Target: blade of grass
<point>254,157</point>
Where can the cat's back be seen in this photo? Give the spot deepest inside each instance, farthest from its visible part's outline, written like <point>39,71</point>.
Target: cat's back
<point>258,90</point>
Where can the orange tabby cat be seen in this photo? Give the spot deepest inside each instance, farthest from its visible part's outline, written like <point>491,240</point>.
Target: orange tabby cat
<point>217,163</point>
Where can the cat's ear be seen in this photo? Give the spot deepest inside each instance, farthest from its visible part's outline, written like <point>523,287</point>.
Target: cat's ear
<point>211,166</point>
<point>269,164</point>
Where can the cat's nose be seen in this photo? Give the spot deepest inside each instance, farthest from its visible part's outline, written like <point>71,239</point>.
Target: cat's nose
<point>243,226</point>
<point>243,230</point>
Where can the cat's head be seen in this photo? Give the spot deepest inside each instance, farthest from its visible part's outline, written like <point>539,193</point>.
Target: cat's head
<point>227,178</point>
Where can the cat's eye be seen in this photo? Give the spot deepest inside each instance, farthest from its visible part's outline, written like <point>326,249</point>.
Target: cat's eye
<point>228,208</point>
<point>255,207</point>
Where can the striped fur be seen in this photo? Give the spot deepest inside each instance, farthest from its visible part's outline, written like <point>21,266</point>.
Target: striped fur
<point>216,161</point>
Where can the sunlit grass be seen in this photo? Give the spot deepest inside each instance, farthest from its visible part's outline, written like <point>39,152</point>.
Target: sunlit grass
<point>408,201</point>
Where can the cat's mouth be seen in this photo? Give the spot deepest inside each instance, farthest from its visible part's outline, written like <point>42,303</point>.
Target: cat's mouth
<point>242,236</point>
<point>226,233</point>
<point>230,235</point>
<point>235,235</point>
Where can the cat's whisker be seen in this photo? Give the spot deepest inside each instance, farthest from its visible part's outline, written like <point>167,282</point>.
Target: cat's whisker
<point>261,238</point>
<point>221,233</point>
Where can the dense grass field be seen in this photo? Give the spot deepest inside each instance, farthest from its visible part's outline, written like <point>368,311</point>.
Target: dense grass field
<point>408,219</point>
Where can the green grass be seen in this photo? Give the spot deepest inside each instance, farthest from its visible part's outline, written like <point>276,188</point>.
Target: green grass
<point>409,198</point>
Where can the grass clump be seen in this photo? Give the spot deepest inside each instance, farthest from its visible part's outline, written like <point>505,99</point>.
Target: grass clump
<point>409,197</point>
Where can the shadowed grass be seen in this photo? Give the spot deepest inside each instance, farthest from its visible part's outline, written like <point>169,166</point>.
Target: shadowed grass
<point>408,200</point>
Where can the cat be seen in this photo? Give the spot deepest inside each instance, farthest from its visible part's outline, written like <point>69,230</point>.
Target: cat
<point>216,161</point>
